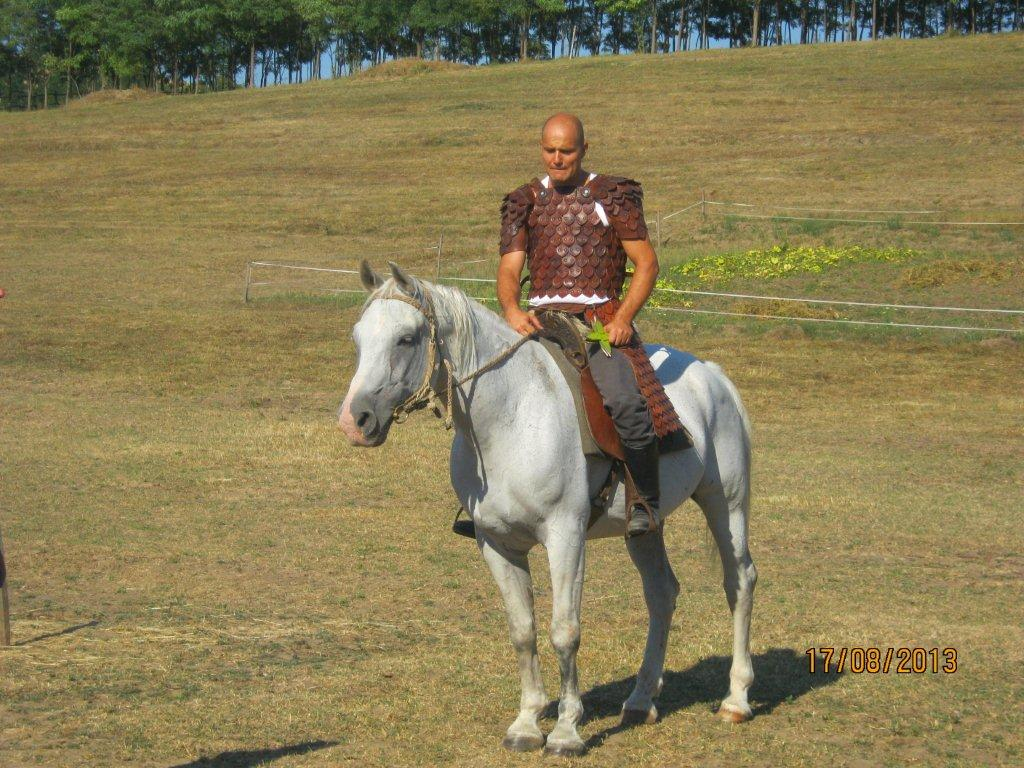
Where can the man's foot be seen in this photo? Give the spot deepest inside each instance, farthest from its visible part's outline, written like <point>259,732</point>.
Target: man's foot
<point>639,521</point>
<point>464,528</point>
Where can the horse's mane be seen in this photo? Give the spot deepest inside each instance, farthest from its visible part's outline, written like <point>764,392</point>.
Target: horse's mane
<point>454,312</point>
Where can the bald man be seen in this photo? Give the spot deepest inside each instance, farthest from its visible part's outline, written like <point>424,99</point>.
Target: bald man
<point>575,230</point>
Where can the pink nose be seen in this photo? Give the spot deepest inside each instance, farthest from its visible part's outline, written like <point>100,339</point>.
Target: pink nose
<point>348,425</point>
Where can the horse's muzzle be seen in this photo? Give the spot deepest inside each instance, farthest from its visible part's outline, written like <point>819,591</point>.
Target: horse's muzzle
<point>360,423</point>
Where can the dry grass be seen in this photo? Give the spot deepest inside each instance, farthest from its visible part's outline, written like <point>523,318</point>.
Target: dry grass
<point>408,67</point>
<point>200,567</point>
<point>946,271</point>
<point>115,96</point>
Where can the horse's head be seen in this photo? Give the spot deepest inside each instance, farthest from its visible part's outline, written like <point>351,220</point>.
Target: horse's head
<point>392,341</point>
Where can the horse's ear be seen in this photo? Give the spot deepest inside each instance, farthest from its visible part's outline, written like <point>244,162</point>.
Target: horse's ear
<point>404,282</point>
<point>370,279</point>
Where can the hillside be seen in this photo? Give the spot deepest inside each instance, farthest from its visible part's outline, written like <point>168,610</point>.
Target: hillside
<point>191,187</point>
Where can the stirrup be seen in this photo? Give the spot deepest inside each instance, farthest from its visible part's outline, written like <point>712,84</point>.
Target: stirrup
<point>465,528</point>
<point>640,511</point>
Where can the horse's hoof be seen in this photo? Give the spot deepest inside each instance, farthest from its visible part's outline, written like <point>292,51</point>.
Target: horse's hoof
<point>570,749</point>
<point>631,717</point>
<point>732,714</point>
<point>523,742</point>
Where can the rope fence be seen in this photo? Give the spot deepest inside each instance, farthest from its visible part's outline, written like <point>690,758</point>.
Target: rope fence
<point>842,321</point>
<point>706,205</point>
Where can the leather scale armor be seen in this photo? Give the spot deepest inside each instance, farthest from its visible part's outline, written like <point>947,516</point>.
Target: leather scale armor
<point>572,253</point>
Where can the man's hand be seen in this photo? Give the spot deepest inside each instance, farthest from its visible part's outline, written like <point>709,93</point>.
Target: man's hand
<point>523,322</point>
<point>619,332</point>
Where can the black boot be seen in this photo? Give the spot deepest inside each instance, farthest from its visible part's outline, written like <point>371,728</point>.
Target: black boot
<point>642,466</point>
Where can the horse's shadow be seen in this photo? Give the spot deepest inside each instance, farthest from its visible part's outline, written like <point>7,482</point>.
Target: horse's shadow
<point>781,675</point>
<point>247,758</point>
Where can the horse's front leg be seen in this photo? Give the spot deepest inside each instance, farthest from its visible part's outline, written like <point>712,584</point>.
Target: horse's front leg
<point>511,570</point>
<point>566,560</point>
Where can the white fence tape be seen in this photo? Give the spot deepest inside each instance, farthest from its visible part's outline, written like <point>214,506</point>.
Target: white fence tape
<point>842,302</point>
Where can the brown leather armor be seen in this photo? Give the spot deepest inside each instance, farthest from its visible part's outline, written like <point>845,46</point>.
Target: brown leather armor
<point>570,251</point>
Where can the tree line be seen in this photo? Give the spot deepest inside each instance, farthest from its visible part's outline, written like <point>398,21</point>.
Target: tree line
<point>55,50</point>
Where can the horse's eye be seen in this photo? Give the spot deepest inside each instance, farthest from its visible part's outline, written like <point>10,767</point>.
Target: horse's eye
<point>406,341</point>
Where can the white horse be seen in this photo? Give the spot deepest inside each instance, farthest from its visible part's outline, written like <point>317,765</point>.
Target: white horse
<point>519,470</point>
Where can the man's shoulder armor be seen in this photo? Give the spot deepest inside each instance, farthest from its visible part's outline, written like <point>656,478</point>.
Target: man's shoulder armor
<point>520,197</point>
<point>617,193</point>
<point>515,210</point>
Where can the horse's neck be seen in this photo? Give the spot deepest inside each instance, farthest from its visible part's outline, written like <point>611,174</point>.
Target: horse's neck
<point>485,405</point>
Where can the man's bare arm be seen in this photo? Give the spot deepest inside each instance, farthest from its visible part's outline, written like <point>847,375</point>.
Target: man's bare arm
<point>510,268</point>
<point>645,274</point>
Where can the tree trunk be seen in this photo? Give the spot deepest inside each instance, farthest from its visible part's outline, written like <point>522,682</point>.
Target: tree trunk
<point>682,27</point>
<point>28,100</point>
<point>778,22</point>
<point>803,22</point>
<point>654,26</point>
<point>704,25</point>
<point>195,80</point>
<point>67,83</point>
<point>755,28</point>
<point>250,75</point>
<point>874,19</point>
<point>853,20</point>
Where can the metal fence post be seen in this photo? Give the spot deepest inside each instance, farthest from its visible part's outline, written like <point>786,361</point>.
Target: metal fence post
<point>703,205</point>
<point>440,246</point>
<point>5,596</point>
<point>248,280</point>
<point>657,228</point>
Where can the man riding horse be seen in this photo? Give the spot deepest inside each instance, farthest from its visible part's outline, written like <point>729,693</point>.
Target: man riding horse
<point>574,231</point>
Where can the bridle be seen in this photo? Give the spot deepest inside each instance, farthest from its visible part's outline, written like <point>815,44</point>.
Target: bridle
<point>425,395</point>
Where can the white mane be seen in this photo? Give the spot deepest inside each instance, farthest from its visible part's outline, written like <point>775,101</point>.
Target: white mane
<point>457,322</point>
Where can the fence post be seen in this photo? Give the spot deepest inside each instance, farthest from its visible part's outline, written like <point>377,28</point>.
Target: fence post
<point>440,246</point>
<point>657,228</point>
<point>248,280</point>
<point>5,596</point>
<point>703,205</point>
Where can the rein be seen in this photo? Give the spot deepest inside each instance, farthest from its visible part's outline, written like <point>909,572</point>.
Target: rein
<point>425,395</point>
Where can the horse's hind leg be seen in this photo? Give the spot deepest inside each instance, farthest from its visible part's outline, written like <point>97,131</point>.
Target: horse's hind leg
<point>660,592</point>
<point>727,519</point>
<point>511,570</point>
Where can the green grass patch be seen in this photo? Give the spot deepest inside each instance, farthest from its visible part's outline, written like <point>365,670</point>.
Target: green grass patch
<point>775,262</point>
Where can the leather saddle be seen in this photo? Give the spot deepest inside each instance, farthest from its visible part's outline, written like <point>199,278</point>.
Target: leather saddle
<point>566,344</point>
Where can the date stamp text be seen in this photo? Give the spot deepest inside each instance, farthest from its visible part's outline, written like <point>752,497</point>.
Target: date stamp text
<point>902,661</point>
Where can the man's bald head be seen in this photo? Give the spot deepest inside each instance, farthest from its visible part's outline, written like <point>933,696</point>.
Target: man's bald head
<point>563,147</point>
<point>566,124</point>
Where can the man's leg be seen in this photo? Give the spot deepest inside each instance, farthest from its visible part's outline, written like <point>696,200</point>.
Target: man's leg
<point>617,383</point>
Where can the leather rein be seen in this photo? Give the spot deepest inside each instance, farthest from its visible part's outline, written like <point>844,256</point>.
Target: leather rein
<point>425,395</point>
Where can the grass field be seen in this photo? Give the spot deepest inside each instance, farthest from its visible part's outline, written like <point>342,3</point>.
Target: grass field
<point>204,574</point>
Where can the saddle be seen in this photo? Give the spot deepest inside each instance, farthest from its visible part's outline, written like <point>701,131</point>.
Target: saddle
<point>562,339</point>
